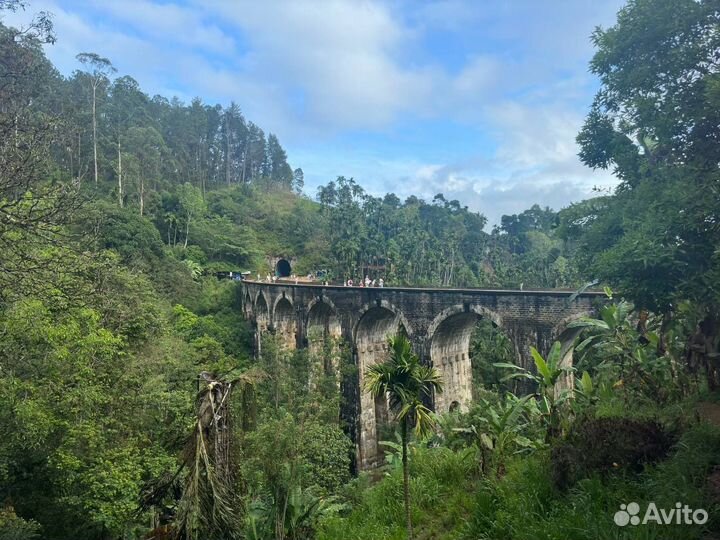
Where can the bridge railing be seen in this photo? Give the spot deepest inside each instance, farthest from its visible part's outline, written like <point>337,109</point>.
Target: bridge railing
<point>492,290</point>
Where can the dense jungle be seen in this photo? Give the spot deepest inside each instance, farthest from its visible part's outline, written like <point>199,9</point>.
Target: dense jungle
<point>123,347</point>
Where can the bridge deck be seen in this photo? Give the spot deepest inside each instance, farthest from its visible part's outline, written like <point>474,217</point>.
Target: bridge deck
<point>555,292</point>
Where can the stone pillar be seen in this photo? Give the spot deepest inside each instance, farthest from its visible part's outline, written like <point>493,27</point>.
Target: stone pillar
<point>373,411</point>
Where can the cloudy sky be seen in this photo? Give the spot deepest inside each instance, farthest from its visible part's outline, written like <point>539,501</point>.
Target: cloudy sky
<point>479,100</point>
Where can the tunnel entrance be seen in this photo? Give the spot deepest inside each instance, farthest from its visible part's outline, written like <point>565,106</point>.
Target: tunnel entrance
<point>283,268</point>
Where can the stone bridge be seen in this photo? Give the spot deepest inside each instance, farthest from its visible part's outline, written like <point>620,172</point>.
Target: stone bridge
<point>438,322</point>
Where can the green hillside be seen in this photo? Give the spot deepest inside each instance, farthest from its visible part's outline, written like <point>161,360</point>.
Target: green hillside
<point>121,352</point>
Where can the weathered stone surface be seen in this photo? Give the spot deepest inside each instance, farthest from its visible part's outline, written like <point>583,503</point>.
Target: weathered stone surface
<point>438,322</point>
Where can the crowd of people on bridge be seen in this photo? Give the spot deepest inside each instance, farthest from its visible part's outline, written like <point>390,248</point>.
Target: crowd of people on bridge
<point>367,282</point>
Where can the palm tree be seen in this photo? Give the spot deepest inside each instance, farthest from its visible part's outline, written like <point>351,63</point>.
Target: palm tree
<point>406,382</point>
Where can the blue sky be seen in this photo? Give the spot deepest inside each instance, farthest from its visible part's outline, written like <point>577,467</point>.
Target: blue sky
<point>479,100</point>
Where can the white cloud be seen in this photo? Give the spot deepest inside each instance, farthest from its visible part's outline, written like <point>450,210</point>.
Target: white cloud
<point>533,136</point>
<point>340,56</point>
<point>177,24</point>
<point>312,71</point>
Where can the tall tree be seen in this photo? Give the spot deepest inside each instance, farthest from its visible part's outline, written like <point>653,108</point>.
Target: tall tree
<point>192,204</point>
<point>146,147</point>
<point>32,207</point>
<point>408,384</point>
<point>126,108</point>
<point>279,170</point>
<point>298,182</point>
<point>656,123</point>
<point>100,69</point>
<point>234,134</point>
<point>254,163</point>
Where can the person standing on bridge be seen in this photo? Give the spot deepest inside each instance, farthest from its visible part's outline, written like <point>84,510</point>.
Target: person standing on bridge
<point>381,282</point>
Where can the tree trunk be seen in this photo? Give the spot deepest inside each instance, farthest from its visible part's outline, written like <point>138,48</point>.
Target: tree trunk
<point>227,152</point>
<point>94,122</point>
<point>120,187</point>
<point>664,327</point>
<point>187,231</point>
<point>244,164</point>
<point>79,160</point>
<point>142,195</point>
<point>406,480</point>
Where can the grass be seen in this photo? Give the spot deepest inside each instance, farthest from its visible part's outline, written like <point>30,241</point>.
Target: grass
<point>451,501</point>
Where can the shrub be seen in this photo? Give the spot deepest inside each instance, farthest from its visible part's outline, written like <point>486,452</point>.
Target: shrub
<point>606,444</point>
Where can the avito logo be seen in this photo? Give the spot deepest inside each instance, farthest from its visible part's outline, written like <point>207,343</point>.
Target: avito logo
<point>629,514</point>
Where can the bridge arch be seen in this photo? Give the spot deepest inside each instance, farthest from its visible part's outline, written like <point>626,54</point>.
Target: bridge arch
<point>561,332</point>
<point>322,319</point>
<point>247,304</point>
<point>366,316</point>
<point>449,337</point>
<point>375,325</point>
<point>261,310</point>
<point>387,306</point>
<point>284,321</point>
<point>322,330</point>
<point>257,298</point>
<point>481,311</point>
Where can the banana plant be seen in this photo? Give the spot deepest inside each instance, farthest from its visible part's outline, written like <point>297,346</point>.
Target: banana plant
<point>615,339</point>
<point>548,373</point>
<point>585,394</point>
<point>500,431</point>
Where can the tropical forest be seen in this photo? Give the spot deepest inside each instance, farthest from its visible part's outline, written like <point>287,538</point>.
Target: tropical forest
<point>140,398</point>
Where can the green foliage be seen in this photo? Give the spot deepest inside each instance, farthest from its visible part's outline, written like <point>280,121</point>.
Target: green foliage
<point>626,353</point>
<point>450,501</point>
<point>441,487</point>
<point>437,244</point>
<point>13,527</point>
<point>501,430</point>
<point>110,310</point>
<point>133,237</point>
<point>326,451</point>
<point>546,377</point>
<point>291,468</point>
<point>406,382</point>
<point>489,346</point>
<point>651,122</point>
<point>79,407</point>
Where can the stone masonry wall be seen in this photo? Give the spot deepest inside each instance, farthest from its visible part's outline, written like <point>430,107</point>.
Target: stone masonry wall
<point>438,322</point>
